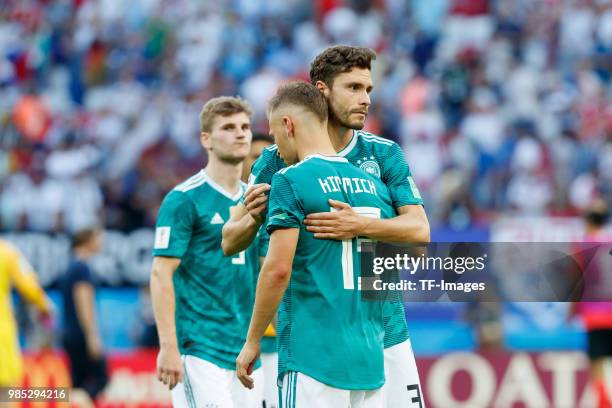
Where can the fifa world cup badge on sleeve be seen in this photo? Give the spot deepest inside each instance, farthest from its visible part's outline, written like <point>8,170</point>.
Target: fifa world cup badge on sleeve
<point>162,237</point>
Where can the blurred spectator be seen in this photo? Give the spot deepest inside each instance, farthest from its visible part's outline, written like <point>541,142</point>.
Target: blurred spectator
<point>81,338</point>
<point>103,91</point>
<point>31,118</point>
<point>83,202</point>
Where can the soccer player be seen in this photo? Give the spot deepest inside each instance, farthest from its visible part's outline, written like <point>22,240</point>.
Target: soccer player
<point>15,271</point>
<point>342,74</point>
<point>202,300</point>
<point>330,341</point>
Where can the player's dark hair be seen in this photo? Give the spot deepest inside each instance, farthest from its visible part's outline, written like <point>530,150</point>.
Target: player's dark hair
<point>222,106</point>
<point>262,137</point>
<point>300,94</point>
<point>339,59</point>
<point>83,236</point>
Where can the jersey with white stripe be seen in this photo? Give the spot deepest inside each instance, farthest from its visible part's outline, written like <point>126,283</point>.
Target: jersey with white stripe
<point>322,313</point>
<point>214,293</point>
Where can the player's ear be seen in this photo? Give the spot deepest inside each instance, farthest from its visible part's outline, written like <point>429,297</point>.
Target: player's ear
<point>205,140</point>
<point>322,86</point>
<point>289,127</point>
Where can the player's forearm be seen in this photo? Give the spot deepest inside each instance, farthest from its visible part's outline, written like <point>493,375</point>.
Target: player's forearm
<point>401,229</point>
<point>162,298</point>
<point>238,234</point>
<point>271,287</point>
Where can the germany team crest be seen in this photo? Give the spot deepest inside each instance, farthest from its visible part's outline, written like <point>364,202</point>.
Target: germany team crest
<point>369,165</point>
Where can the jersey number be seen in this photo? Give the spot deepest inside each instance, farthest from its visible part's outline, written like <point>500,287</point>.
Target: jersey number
<point>239,259</point>
<point>348,272</point>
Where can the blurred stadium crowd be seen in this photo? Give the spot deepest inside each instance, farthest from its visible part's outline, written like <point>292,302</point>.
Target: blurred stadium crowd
<point>500,106</point>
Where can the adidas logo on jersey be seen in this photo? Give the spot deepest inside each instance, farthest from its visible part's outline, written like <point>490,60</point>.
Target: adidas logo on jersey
<point>216,219</point>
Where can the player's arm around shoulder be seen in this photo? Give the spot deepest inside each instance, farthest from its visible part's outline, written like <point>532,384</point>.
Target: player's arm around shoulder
<point>410,225</point>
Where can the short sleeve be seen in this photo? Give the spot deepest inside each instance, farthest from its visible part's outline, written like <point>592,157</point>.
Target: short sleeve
<point>398,179</point>
<point>284,210</point>
<point>175,223</point>
<point>81,273</point>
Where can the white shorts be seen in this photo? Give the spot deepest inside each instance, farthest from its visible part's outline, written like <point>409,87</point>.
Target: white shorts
<point>207,385</point>
<point>402,387</point>
<point>269,364</point>
<point>301,391</point>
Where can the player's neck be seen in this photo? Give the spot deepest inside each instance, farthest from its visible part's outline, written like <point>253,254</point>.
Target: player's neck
<point>226,175</point>
<point>339,135</point>
<point>317,142</point>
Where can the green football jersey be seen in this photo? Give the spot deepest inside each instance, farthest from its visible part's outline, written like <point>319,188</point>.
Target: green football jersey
<point>377,156</point>
<point>214,294</point>
<point>325,329</point>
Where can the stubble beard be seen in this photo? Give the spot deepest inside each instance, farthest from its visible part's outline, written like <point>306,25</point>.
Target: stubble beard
<point>344,122</point>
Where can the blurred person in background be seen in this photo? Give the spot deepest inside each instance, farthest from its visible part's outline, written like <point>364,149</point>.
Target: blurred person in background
<point>597,315</point>
<point>85,206</point>
<point>95,66</point>
<point>203,300</point>
<point>43,201</point>
<point>32,201</point>
<point>81,337</point>
<point>15,271</point>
